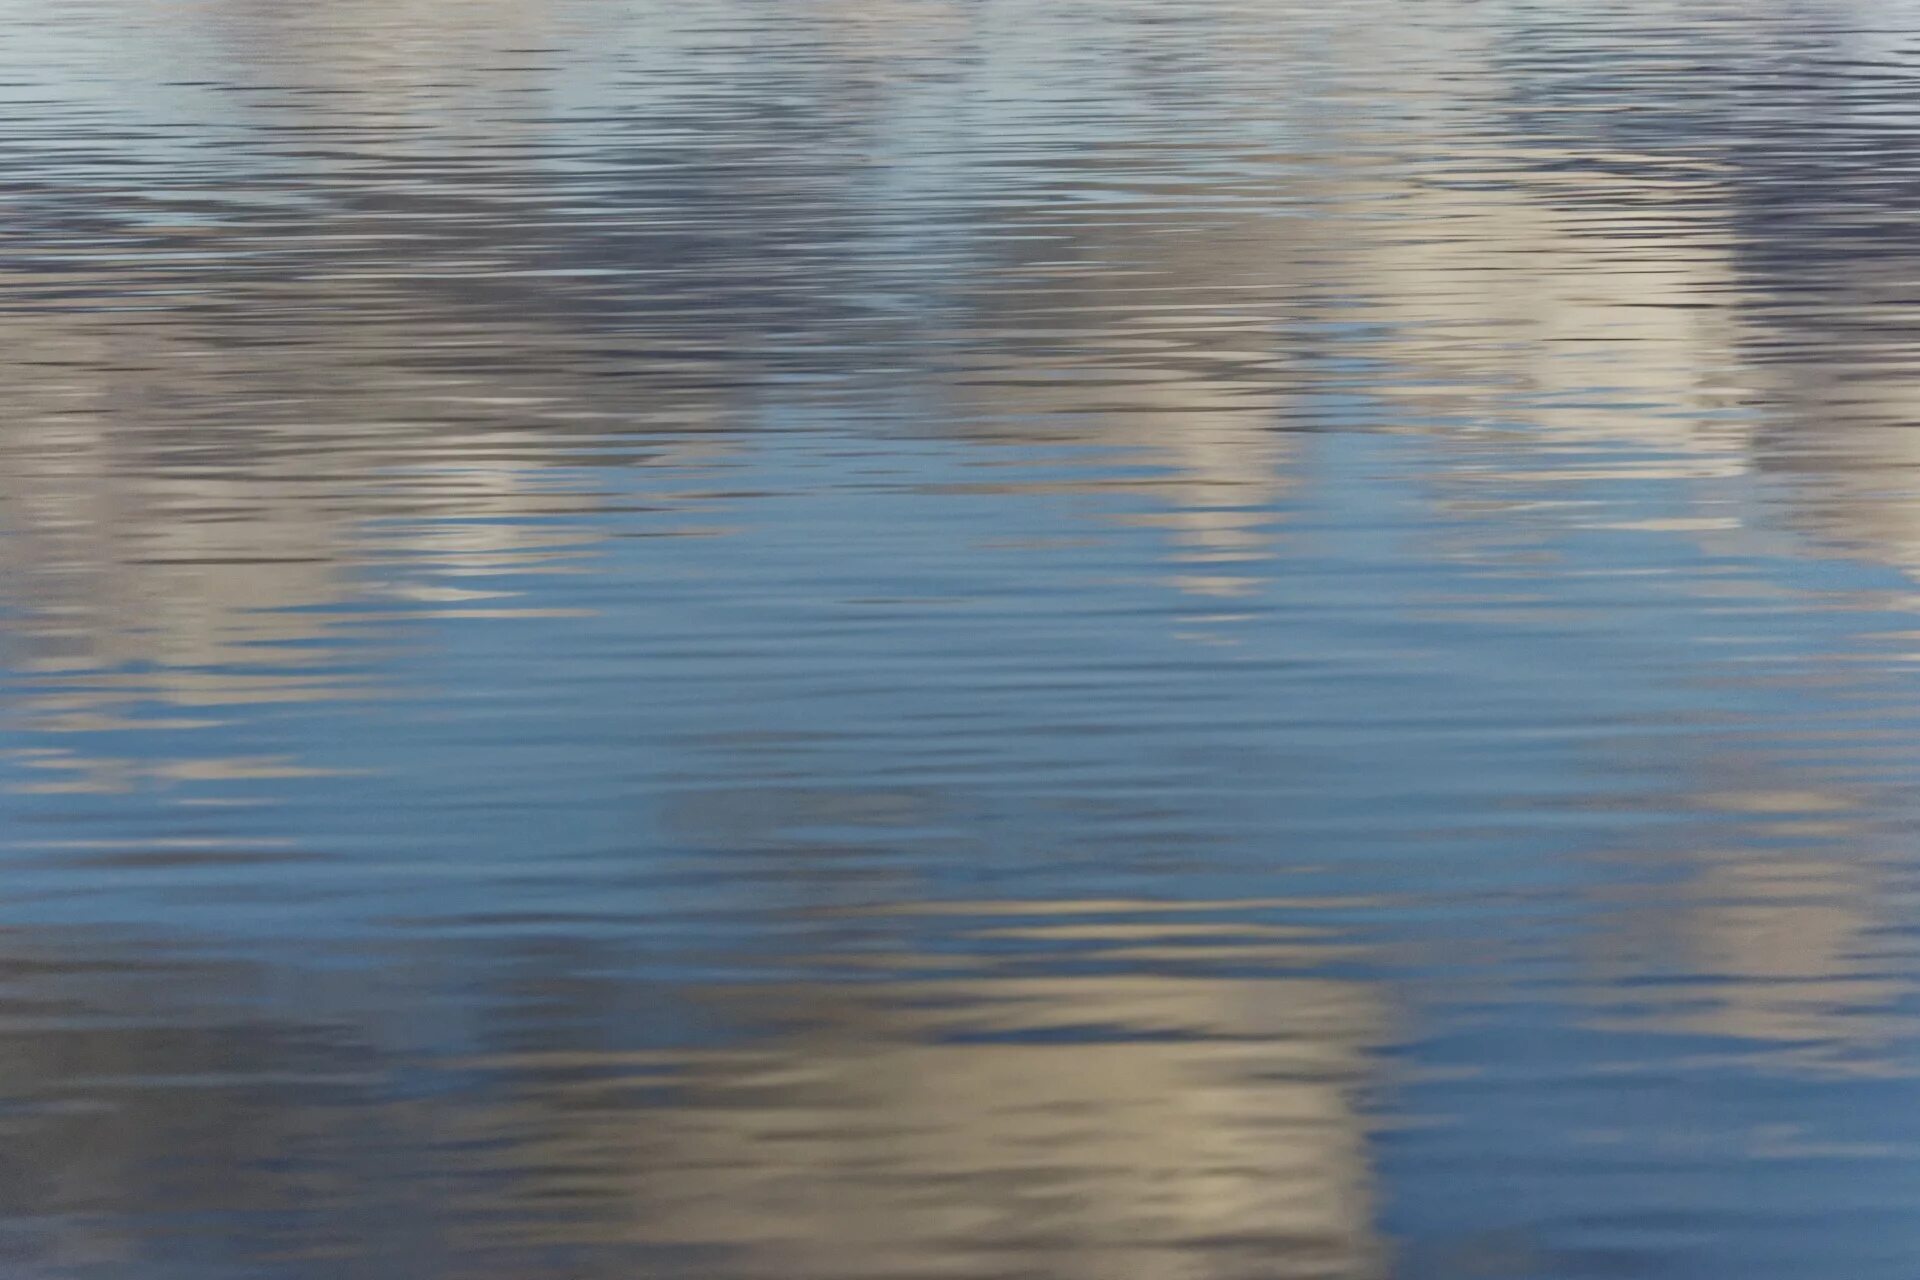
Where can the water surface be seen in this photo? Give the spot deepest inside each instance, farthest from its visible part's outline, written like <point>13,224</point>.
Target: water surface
<point>1016,639</point>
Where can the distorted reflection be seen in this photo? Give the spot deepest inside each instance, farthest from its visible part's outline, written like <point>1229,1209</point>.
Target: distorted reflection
<point>958,639</point>
<point>1068,1127</point>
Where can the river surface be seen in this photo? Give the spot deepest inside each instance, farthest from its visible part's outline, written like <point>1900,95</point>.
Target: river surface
<point>959,640</point>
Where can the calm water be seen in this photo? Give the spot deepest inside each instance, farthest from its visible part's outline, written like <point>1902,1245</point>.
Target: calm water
<point>960,639</point>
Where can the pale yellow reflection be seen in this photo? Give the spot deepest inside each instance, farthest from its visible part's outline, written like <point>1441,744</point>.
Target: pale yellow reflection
<point>1510,306</point>
<point>155,556</point>
<point>1138,1126</point>
<point>1120,363</point>
<point>1780,951</point>
<point>1153,1120</point>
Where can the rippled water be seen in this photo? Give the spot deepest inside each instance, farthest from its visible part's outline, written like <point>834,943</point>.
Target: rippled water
<point>1044,639</point>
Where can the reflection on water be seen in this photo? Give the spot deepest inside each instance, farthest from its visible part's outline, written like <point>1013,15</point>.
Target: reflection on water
<point>960,639</point>
<point>1160,1125</point>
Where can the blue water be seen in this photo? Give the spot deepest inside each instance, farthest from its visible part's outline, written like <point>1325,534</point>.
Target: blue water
<point>959,639</point>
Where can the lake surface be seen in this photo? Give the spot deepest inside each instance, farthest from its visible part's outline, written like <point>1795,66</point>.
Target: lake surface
<point>960,639</point>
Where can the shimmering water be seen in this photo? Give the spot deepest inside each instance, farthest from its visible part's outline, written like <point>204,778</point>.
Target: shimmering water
<point>1043,639</point>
